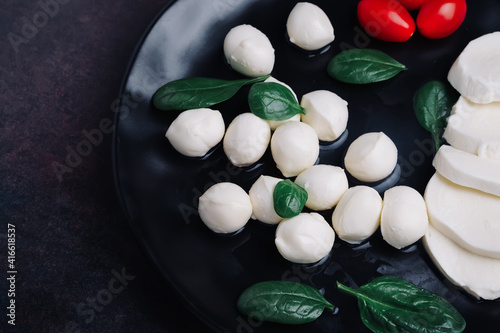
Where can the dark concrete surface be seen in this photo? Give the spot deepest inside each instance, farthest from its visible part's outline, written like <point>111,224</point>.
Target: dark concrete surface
<point>78,267</point>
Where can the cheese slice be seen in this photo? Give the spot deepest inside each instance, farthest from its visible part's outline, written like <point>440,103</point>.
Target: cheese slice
<point>468,170</point>
<point>469,217</point>
<point>475,128</point>
<point>475,73</point>
<point>478,275</point>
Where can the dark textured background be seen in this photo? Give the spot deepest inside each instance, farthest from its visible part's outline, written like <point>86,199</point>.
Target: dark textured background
<point>56,82</point>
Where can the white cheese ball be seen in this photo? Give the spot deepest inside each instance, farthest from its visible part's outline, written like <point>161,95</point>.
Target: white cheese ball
<point>295,147</point>
<point>246,140</point>
<point>309,27</point>
<point>225,208</point>
<point>371,157</point>
<point>404,216</point>
<point>325,185</point>
<point>249,51</point>
<point>261,196</point>
<point>275,123</point>
<point>326,112</point>
<point>305,238</point>
<point>194,132</point>
<point>357,215</point>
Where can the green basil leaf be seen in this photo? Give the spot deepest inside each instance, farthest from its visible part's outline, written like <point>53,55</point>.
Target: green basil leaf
<point>432,104</point>
<point>361,66</point>
<point>198,92</point>
<point>389,304</point>
<point>282,302</point>
<point>273,101</point>
<point>289,198</point>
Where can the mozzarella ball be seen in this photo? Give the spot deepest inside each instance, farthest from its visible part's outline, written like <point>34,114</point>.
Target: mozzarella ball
<point>194,132</point>
<point>325,185</point>
<point>404,216</point>
<point>249,51</point>
<point>275,123</point>
<point>309,27</point>
<point>246,140</point>
<point>326,112</point>
<point>357,215</point>
<point>261,196</point>
<point>295,147</point>
<point>305,238</point>
<point>371,157</point>
<point>225,208</point>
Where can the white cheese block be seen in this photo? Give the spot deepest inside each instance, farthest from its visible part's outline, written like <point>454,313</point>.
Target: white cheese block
<point>476,73</point>
<point>478,275</point>
<point>261,196</point>
<point>475,128</point>
<point>469,217</point>
<point>404,217</point>
<point>468,170</point>
<point>305,238</point>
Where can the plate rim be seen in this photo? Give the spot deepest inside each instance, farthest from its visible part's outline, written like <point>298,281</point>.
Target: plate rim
<point>118,186</point>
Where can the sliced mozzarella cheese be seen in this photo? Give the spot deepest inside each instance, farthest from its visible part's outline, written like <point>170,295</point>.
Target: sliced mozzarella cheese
<point>309,27</point>
<point>475,128</point>
<point>261,196</point>
<point>194,132</point>
<point>275,123</point>
<point>478,275</point>
<point>357,215</point>
<point>295,147</point>
<point>225,207</point>
<point>475,73</point>
<point>469,217</point>
<point>305,238</point>
<point>468,170</point>
<point>249,51</point>
<point>404,216</point>
<point>371,157</point>
<point>246,140</point>
<point>326,112</point>
<point>325,185</point>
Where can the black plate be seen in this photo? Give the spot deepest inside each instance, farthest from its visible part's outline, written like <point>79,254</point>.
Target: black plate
<point>159,188</point>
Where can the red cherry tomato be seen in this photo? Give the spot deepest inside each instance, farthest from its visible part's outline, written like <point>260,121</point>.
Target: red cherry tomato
<point>440,18</point>
<point>412,4</point>
<point>386,20</point>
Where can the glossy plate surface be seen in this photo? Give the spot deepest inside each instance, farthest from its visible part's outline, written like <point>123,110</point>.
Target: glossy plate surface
<point>159,188</point>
